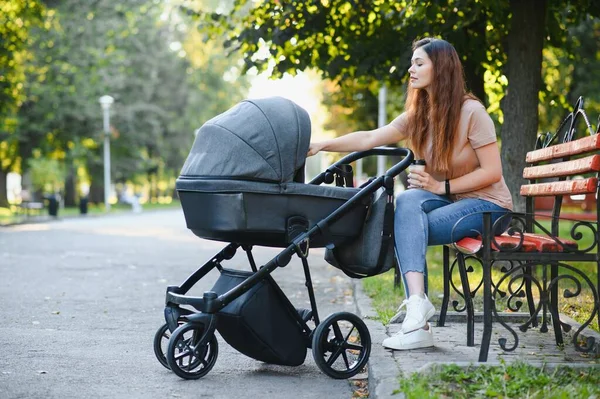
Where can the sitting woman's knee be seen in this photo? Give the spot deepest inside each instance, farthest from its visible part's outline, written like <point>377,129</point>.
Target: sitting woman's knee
<point>412,197</point>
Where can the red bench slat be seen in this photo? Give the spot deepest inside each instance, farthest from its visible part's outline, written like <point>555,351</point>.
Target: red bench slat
<point>579,146</point>
<point>472,245</point>
<point>507,242</point>
<point>578,186</point>
<point>569,168</point>
<point>468,244</point>
<point>531,243</point>
<point>547,244</point>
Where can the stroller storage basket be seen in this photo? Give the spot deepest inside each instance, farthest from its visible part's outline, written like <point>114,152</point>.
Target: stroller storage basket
<point>258,323</point>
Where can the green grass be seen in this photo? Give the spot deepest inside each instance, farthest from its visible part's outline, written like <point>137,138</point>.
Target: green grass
<point>12,215</point>
<point>517,380</point>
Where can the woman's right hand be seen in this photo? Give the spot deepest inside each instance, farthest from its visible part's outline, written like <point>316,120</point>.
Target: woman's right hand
<point>314,148</point>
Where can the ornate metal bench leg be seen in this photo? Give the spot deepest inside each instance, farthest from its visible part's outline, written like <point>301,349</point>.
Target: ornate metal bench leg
<point>554,305</point>
<point>444,309</point>
<point>462,271</point>
<point>487,312</point>
<point>530,303</point>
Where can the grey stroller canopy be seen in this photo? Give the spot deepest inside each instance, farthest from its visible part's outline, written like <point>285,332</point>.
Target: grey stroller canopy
<point>258,140</point>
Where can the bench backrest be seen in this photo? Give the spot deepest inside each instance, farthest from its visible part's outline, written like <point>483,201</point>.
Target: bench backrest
<point>568,168</point>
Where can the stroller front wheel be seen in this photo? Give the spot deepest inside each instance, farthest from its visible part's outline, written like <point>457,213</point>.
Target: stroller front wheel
<point>161,341</point>
<point>341,345</point>
<point>191,354</point>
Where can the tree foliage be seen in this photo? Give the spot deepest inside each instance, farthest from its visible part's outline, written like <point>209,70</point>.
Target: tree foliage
<point>147,55</point>
<point>359,42</point>
<point>17,19</point>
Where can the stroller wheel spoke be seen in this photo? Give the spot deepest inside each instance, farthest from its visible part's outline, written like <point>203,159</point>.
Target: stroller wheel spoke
<point>346,362</point>
<point>190,363</point>
<point>181,355</point>
<point>334,356</point>
<point>349,334</point>
<point>337,331</point>
<point>340,344</point>
<point>353,347</point>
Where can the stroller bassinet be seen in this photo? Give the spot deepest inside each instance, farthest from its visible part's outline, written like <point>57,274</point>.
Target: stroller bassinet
<point>243,180</point>
<point>243,183</point>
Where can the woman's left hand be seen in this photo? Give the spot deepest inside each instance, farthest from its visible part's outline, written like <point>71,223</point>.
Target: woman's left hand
<point>424,181</point>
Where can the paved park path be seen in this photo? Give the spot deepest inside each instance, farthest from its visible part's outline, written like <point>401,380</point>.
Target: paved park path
<point>82,298</point>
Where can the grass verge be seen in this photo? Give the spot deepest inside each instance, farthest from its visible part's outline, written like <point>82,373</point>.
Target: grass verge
<point>516,380</point>
<point>12,215</point>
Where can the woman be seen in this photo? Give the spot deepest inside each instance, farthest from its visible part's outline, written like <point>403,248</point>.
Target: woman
<point>451,130</point>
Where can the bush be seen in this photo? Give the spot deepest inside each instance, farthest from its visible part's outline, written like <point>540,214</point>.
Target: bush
<point>47,175</point>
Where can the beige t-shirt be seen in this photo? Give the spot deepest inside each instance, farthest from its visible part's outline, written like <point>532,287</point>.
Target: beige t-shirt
<point>475,129</point>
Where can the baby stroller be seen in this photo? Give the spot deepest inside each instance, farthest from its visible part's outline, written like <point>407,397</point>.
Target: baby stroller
<point>243,183</point>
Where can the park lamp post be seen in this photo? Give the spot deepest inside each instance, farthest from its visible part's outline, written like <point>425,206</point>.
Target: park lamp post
<point>105,102</point>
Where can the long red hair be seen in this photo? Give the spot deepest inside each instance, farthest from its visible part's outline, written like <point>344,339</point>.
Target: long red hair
<point>437,109</point>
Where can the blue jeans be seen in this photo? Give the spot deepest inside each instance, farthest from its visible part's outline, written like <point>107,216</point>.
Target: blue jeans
<point>423,218</point>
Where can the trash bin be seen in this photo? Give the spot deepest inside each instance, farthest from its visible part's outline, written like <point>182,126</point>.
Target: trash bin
<point>135,204</point>
<point>83,205</point>
<point>52,205</point>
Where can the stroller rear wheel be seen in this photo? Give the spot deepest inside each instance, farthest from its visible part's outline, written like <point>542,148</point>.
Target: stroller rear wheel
<point>341,345</point>
<point>191,354</point>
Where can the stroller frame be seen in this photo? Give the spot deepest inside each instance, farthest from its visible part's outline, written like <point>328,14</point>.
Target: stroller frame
<point>200,348</point>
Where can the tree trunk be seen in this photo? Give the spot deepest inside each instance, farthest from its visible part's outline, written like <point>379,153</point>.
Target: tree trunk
<point>472,65</point>
<point>474,80</point>
<point>153,194</point>
<point>520,107</point>
<point>3,189</point>
<point>96,194</point>
<point>70,184</point>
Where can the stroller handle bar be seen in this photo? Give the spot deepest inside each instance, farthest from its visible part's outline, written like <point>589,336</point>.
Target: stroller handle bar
<point>387,151</point>
<point>387,181</point>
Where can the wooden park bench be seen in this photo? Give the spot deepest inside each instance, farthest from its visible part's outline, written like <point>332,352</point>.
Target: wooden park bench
<point>530,256</point>
<point>30,208</point>
<point>27,206</point>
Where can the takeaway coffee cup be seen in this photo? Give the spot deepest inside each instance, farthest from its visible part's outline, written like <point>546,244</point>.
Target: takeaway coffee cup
<point>417,164</point>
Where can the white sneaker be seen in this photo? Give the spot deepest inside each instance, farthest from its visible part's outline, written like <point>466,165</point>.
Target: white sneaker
<point>413,340</point>
<point>418,311</point>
